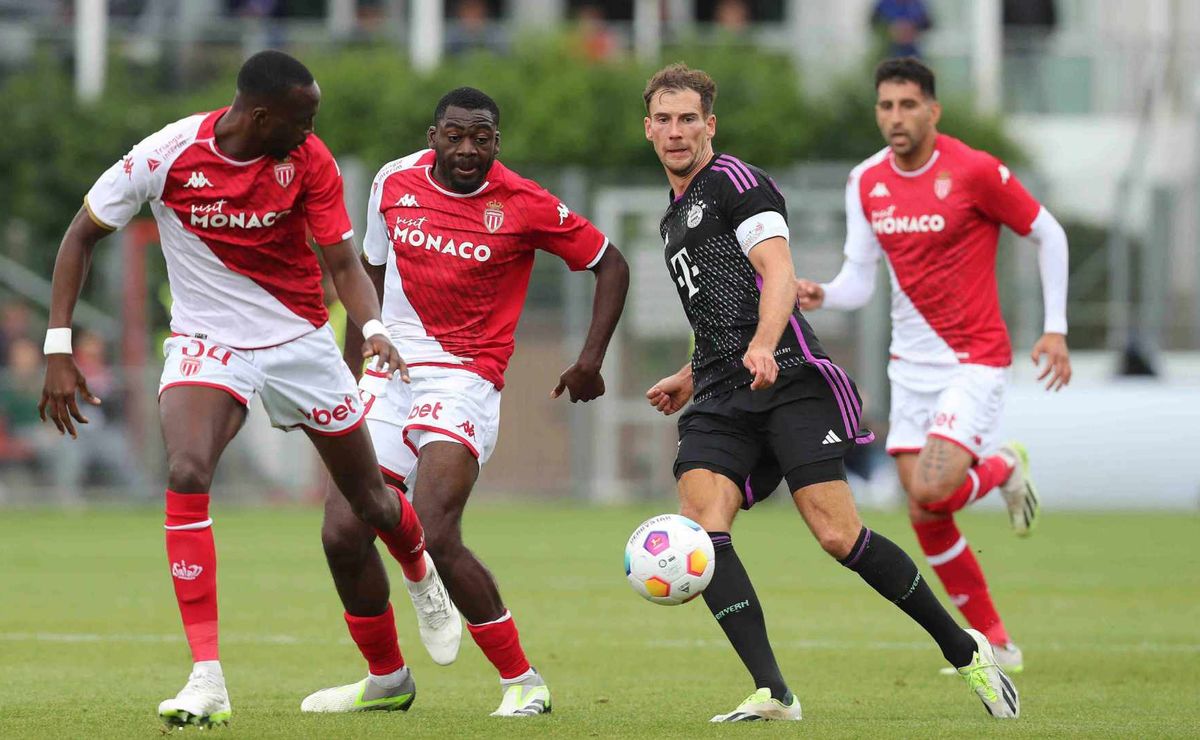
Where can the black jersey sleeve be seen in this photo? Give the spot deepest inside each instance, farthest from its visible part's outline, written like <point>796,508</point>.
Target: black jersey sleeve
<point>749,200</point>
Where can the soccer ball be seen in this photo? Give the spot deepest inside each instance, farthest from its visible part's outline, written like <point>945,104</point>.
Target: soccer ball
<point>669,559</point>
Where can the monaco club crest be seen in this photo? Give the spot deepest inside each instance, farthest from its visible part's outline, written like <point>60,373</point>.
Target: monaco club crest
<point>493,216</point>
<point>189,366</point>
<point>284,172</point>
<point>941,186</point>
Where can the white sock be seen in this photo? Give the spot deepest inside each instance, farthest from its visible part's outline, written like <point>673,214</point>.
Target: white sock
<point>210,668</point>
<point>391,680</point>
<point>518,679</point>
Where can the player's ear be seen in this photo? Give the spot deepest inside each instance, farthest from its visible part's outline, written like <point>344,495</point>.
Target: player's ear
<point>496,148</point>
<point>935,109</point>
<point>646,123</point>
<point>710,125</point>
<point>429,136</point>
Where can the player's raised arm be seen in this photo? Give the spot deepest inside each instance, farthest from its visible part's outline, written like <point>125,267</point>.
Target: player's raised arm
<point>63,377</point>
<point>582,379</point>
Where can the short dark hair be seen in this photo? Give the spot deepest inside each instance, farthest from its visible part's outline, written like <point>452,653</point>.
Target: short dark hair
<point>270,74</point>
<point>906,69</point>
<point>468,98</point>
<point>679,76</point>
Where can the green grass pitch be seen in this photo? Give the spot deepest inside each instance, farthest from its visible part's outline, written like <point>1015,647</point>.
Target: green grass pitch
<point>1106,607</point>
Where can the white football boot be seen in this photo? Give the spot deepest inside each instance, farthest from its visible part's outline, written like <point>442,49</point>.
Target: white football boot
<point>368,695</point>
<point>1008,658</point>
<point>988,681</point>
<point>524,697</point>
<point>437,616</point>
<point>760,706</point>
<point>202,702</point>
<point>1018,491</point>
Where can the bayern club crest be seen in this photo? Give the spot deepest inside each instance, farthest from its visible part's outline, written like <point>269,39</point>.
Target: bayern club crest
<point>942,185</point>
<point>284,173</point>
<point>493,216</point>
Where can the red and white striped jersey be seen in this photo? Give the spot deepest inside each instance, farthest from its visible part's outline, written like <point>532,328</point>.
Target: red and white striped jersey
<point>939,227</point>
<point>233,233</point>
<point>458,264</point>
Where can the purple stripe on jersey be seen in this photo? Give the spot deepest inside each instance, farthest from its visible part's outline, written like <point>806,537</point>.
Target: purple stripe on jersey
<point>749,493</point>
<point>737,183</point>
<point>837,379</point>
<point>774,185</point>
<point>858,553</point>
<point>741,167</point>
<point>733,169</point>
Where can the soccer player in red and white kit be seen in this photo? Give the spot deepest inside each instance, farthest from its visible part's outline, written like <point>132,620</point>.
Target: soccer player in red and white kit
<point>234,192</point>
<point>933,207</point>
<point>451,238</point>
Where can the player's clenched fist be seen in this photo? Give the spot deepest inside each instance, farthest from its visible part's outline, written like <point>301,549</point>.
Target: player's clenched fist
<point>809,295</point>
<point>760,361</point>
<point>582,383</point>
<point>671,393</point>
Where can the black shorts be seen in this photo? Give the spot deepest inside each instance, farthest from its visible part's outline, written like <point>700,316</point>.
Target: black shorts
<point>799,429</point>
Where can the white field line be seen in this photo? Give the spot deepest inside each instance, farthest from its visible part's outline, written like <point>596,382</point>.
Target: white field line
<point>279,639</point>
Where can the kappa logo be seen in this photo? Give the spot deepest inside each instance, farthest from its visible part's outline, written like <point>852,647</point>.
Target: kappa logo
<point>198,180</point>
<point>185,572</point>
<point>127,166</point>
<point>408,200</point>
<point>468,429</point>
<point>1004,175</point>
<point>879,191</point>
<point>562,214</point>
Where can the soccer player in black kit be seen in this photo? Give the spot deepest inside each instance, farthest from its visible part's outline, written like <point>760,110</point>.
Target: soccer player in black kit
<point>767,403</point>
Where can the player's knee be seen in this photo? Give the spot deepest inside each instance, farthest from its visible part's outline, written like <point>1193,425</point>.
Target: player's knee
<point>442,542</point>
<point>925,491</point>
<point>344,545</point>
<point>379,508</point>
<point>188,472</point>
<point>837,541</point>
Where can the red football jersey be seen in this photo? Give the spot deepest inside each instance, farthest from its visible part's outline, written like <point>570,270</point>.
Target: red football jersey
<point>233,233</point>
<point>458,264</point>
<point>939,227</point>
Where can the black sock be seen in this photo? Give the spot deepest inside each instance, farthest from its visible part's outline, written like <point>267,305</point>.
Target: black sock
<point>731,598</point>
<point>891,572</point>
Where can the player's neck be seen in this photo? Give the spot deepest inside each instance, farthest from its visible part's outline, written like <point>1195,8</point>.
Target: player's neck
<point>919,157</point>
<point>233,139</point>
<point>679,183</point>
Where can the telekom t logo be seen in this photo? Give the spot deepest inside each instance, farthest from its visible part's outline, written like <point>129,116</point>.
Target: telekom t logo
<point>684,271</point>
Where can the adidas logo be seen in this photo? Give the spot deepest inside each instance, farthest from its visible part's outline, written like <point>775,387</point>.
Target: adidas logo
<point>408,201</point>
<point>879,191</point>
<point>185,572</point>
<point>831,438</point>
<point>198,180</point>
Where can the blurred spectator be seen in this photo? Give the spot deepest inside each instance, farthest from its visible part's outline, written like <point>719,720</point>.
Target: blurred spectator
<point>471,28</point>
<point>732,16</point>
<point>16,322</point>
<point>20,391</point>
<point>595,38</point>
<point>903,21</point>
<point>1028,26</point>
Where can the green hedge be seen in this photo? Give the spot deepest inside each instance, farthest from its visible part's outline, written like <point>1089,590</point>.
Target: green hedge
<point>557,109</point>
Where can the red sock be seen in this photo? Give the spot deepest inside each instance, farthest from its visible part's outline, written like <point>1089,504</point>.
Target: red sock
<point>501,644</point>
<point>193,562</point>
<point>377,641</point>
<point>951,557</point>
<point>406,542</point>
<point>981,479</point>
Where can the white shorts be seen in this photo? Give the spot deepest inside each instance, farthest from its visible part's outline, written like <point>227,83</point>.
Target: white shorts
<point>961,403</point>
<point>303,382</point>
<point>440,405</point>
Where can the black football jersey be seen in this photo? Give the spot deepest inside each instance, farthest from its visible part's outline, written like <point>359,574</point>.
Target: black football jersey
<point>716,282</point>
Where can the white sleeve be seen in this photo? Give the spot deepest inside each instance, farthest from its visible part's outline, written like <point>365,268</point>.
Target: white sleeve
<point>375,242</point>
<point>855,283</point>
<point>853,286</point>
<point>1048,234</point>
<point>118,195</point>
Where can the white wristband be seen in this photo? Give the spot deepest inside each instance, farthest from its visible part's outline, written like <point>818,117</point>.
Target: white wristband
<point>373,327</point>
<point>58,341</point>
